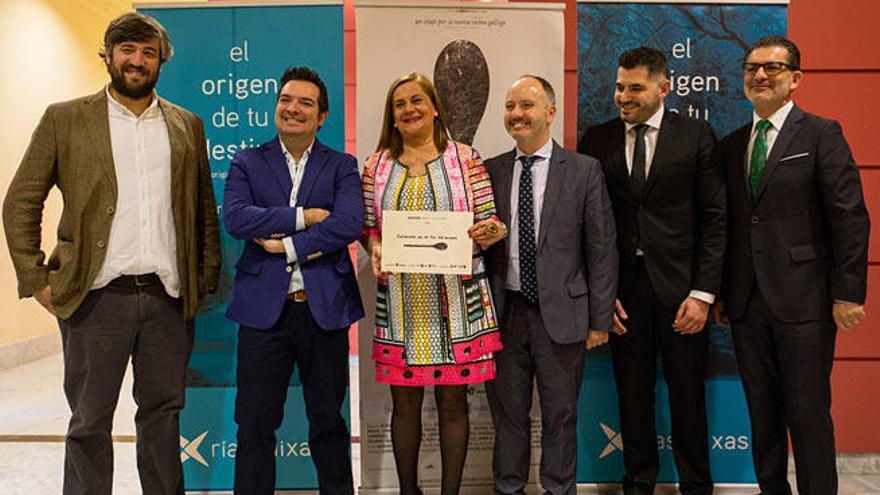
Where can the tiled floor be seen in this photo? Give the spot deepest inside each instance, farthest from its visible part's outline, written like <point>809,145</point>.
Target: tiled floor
<point>32,405</point>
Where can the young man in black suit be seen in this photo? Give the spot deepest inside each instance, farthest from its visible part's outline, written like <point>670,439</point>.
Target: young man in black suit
<point>797,270</point>
<point>668,197</point>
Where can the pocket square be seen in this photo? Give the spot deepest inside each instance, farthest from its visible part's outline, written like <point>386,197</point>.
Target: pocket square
<point>792,157</point>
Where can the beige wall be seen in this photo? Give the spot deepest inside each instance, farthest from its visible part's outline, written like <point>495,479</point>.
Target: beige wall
<point>51,51</point>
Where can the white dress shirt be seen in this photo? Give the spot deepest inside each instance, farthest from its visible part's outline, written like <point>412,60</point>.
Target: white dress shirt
<point>540,170</point>
<point>651,135</point>
<point>296,169</point>
<point>142,235</point>
<point>776,121</point>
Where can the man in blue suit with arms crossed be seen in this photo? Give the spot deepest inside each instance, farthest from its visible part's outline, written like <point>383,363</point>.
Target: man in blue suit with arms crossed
<point>297,204</point>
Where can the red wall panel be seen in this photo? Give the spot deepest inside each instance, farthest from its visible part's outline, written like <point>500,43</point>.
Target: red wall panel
<point>350,78</point>
<point>871,187</point>
<point>855,403</point>
<point>863,342</point>
<point>848,97</point>
<point>350,93</point>
<point>835,35</point>
<point>841,56</point>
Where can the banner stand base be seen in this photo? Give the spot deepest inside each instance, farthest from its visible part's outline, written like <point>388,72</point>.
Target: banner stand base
<point>583,488</point>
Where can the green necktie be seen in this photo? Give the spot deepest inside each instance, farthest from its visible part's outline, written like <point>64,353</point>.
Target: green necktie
<point>759,155</point>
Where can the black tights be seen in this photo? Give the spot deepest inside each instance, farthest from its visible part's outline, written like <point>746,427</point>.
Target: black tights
<point>406,434</point>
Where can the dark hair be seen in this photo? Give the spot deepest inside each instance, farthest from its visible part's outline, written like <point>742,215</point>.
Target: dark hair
<point>307,75</point>
<point>651,58</point>
<point>545,85</point>
<point>794,55</point>
<point>390,137</point>
<point>136,27</point>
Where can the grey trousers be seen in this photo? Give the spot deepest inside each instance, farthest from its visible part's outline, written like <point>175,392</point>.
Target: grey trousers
<point>113,324</point>
<point>529,355</point>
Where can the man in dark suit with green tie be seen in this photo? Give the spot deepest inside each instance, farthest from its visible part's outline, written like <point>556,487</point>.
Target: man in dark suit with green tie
<point>796,270</point>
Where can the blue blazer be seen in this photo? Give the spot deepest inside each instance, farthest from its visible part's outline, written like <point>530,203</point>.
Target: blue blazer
<point>256,205</point>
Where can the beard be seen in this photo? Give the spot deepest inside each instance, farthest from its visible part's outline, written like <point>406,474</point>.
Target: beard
<point>121,86</point>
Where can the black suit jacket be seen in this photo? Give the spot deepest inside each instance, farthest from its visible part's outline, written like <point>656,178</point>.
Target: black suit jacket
<point>681,214</point>
<point>804,237</point>
<point>576,255</point>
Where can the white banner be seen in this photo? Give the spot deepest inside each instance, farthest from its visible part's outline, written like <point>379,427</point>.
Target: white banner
<point>509,39</point>
<point>465,49</point>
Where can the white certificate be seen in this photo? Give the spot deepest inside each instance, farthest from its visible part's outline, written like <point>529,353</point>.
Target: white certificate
<point>427,242</point>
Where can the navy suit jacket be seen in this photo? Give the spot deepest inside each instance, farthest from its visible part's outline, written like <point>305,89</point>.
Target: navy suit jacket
<point>803,238</point>
<point>257,205</point>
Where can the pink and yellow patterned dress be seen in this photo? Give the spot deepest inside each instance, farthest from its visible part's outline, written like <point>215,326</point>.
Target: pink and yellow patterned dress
<point>433,329</point>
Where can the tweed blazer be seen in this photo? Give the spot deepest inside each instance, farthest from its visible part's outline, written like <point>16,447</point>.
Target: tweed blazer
<point>71,150</point>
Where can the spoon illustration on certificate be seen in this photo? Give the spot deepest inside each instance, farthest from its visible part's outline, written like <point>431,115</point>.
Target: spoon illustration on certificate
<point>440,246</point>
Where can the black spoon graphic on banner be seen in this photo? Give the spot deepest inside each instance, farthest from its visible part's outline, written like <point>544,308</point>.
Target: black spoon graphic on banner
<point>461,75</point>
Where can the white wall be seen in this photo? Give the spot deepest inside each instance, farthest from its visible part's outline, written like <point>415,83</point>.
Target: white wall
<point>51,54</point>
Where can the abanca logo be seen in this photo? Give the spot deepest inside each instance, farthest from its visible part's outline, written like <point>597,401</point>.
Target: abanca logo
<point>615,441</point>
<point>190,449</point>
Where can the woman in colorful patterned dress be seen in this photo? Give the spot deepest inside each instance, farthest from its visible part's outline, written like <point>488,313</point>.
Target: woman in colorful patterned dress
<point>438,330</point>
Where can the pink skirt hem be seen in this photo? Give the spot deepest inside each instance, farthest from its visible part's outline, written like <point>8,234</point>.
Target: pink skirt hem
<point>421,376</point>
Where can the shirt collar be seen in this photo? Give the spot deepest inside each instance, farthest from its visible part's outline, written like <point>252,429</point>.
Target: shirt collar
<point>778,117</point>
<point>121,109</point>
<point>653,122</point>
<point>543,152</point>
<point>290,158</point>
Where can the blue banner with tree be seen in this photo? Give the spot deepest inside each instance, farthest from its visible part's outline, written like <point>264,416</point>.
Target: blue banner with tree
<point>705,45</point>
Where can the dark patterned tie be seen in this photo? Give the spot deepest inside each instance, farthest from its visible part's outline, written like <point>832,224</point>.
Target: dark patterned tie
<point>759,155</point>
<point>639,175</point>
<point>528,277</point>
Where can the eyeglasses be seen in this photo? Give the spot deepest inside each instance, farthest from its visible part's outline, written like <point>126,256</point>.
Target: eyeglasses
<point>770,68</point>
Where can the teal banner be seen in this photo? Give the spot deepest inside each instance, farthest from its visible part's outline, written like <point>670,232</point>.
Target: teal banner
<point>226,65</point>
<point>705,45</point>
<point>600,443</point>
